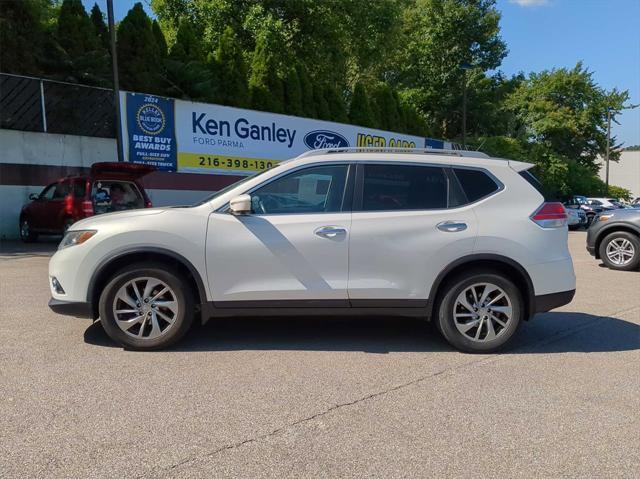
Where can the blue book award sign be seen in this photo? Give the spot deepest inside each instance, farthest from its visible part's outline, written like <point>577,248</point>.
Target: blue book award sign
<point>151,131</point>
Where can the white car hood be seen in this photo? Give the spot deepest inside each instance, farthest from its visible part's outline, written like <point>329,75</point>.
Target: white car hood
<point>94,222</point>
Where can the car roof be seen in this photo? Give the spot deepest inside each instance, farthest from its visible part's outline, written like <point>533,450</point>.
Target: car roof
<point>418,155</point>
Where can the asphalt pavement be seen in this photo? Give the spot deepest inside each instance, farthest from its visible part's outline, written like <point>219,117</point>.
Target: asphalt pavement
<point>308,397</point>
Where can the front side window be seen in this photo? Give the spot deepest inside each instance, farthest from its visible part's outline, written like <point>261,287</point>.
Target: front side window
<point>47,193</point>
<point>319,189</point>
<point>403,187</point>
<point>61,191</point>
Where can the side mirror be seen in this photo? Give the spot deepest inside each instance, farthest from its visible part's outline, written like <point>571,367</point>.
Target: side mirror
<point>240,205</point>
<point>34,197</point>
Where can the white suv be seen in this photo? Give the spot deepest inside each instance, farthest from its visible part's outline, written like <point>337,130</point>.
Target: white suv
<point>458,238</point>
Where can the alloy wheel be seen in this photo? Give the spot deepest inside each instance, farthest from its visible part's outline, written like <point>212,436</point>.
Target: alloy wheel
<point>482,312</point>
<point>145,308</point>
<point>620,251</point>
<point>24,229</point>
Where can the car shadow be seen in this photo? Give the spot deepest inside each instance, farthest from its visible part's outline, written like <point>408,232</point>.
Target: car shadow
<point>556,332</point>
<point>45,246</point>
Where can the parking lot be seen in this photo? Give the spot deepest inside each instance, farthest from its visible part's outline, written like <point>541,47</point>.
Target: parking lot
<point>307,397</point>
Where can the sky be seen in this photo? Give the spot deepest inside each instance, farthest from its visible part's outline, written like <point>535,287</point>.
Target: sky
<point>546,34</point>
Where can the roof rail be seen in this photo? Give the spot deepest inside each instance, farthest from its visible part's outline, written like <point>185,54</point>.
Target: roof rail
<point>373,149</point>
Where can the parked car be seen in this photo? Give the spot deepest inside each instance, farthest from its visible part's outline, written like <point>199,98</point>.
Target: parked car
<point>614,238</point>
<point>459,238</point>
<point>577,218</point>
<point>605,203</point>
<point>109,187</point>
<point>581,202</point>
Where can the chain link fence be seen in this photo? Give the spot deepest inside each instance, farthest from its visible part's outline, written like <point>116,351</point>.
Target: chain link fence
<point>34,104</point>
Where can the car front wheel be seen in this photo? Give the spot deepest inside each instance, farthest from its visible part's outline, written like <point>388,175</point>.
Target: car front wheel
<point>26,232</point>
<point>621,251</point>
<point>480,312</point>
<point>146,307</point>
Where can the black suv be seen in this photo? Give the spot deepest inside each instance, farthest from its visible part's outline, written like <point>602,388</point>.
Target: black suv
<point>614,237</point>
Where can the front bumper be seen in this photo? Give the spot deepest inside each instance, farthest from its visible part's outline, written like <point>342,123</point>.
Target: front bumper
<point>71,308</point>
<point>547,302</point>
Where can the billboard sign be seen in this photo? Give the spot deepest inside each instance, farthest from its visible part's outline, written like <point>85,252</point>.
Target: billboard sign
<point>150,130</point>
<point>217,139</point>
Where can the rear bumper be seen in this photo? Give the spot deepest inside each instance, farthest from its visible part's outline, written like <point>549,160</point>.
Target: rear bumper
<point>547,302</point>
<point>71,308</point>
<point>591,249</point>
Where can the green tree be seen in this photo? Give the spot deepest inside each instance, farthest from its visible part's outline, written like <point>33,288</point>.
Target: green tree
<point>265,86</point>
<point>293,94</point>
<point>86,60</point>
<point>360,110</point>
<point>188,46</point>
<point>337,108</point>
<point>76,34</point>
<point>321,104</point>
<point>306,87</point>
<point>232,78</point>
<point>620,193</point>
<point>161,43</point>
<point>565,111</point>
<point>97,19</point>
<point>139,61</point>
<point>22,36</point>
<point>439,38</point>
<point>385,108</point>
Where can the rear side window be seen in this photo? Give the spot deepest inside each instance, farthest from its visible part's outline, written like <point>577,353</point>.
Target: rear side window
<point>403,187</point>
<point>475,183</point>
<point>79,189</point>
<point>533,181</point>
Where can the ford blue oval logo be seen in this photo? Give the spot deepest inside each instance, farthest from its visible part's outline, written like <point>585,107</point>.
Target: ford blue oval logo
<point>319,139</point>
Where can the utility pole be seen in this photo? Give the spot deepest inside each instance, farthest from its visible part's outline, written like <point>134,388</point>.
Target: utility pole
<point>606,158</point>
<point>116,83</point>
<point>464,67</point>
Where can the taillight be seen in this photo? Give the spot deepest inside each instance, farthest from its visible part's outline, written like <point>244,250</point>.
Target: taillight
<point>87,208</point>
<point>68,204</point>
<point>550,215</point>
<point>148,204</point>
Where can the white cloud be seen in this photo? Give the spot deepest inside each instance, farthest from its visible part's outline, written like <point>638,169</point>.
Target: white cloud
<point>530,3</point>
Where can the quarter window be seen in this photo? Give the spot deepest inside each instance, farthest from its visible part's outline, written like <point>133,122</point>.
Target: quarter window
<point>403,187</point>
<point>318,189</point>
<point>475,183</point>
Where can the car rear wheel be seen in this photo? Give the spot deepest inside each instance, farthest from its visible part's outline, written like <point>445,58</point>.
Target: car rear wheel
<point>480,312</point>
<point>621,251</point>
<point>146,307</point>
<point>26,232</point>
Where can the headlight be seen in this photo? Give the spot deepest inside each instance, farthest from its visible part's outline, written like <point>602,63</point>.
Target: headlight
<point>73,238</point>
<point>605,217</point>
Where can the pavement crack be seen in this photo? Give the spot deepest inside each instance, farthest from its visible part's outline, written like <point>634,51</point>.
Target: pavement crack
<point>479,359</point>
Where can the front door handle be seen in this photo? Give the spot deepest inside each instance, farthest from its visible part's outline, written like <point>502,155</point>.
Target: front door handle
<point>452,226</point>
<point>330,231</point>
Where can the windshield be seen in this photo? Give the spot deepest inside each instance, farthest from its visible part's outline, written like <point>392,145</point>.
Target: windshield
<point>228,188</point>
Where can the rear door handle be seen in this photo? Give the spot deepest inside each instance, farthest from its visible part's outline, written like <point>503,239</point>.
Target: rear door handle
<point>452,226</point>
<point>330,231</point>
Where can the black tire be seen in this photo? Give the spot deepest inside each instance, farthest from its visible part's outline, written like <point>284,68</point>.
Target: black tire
<point>445,311</point>
<point>633,262</point>
<point>179,287</point>
<point>26,232</point>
